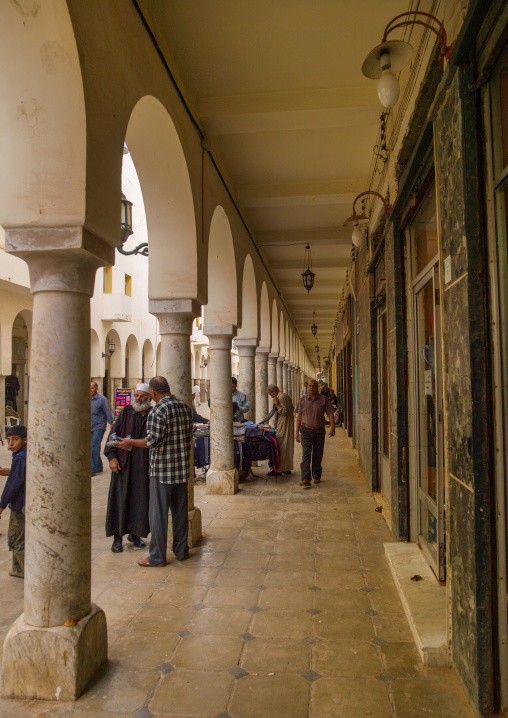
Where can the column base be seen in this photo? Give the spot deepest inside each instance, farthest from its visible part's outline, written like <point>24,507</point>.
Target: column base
<point>56,663</point>
<point>195,531</point>
<point>222,482</point>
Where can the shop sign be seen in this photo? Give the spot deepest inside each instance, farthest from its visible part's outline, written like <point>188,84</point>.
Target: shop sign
<point>123,397</point>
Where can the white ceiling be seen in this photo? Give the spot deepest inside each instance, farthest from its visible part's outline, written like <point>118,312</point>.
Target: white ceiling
<point>277,85</point>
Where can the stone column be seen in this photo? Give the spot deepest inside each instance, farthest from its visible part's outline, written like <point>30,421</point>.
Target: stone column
<point>222,478</point>
<point>272,368</point>
<point>246,379</point>
<point>261,383</point>
<point>285,376</point>
<point>280,381</point>
<point>54,649</point>
<point>175,327</point>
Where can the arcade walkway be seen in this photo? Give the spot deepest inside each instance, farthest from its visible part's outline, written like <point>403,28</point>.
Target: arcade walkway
<point>286,610</point>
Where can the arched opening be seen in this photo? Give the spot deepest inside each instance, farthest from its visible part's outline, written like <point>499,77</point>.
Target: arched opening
<point>275,328</point>
<point>17,383</point>
<point>158,358</point>
<point>132,367</point>
<point>95,359</point>
<point>164,177</point>
<point>249,328</point>
<point>221,309</point>
<point>114,366</point>
<point>147,361</point>
<point>264,318</point>
<point>282,336</point>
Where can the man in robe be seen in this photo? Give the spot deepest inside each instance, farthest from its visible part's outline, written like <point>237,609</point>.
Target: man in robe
<point>130,484</point>
<point>284,430</point>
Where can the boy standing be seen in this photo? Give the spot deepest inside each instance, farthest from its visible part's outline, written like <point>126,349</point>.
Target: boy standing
<point>14,496</point>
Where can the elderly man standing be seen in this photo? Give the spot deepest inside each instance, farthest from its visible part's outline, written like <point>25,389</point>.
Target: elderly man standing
<point>169,437</point>
<point>129,489</point>
<point>310,430</point>
<point>101,415</point>
<point>284,428</point>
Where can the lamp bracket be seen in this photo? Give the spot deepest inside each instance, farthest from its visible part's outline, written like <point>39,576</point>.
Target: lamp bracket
<point>376,194</point>
<point>441,33</point>
<point>140,249</point>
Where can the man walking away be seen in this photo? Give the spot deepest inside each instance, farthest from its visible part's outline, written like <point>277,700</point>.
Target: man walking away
<point>101,415</point>
<point>129,489</point>
<point>169,437</point>
<point>196,394</point>
<point>310,430</point>
<point>305,389</point>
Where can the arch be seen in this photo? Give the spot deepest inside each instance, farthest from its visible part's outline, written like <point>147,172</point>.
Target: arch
<point>162,169</point>
<point>134,368</point>
<point>275,328</point>
<point>95,355</point>
<point>221,309</point>
<point>249,328</point>
<point>282,336</point>
<point>43,115</point>
<point>264,318</point>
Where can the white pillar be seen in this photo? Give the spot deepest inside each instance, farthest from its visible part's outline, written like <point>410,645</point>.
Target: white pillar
<point>280,381</point>
<point>285,376</point>
<point>175,327</point>
<point>58,500</point>
<point>272,368</point>
<point>222,478</point>
<point>261,383</point>
<point>246,379</point>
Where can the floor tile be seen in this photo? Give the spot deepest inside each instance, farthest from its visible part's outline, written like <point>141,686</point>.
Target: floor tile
<point>192,693</point>
<point>349,698</point>
<point>276,655</point>
<point>292,624</point>
<point>270,696</point>
<point>210,653</point>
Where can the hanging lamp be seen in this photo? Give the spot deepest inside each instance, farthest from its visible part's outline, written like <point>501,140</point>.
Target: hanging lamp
<point>308,275</point>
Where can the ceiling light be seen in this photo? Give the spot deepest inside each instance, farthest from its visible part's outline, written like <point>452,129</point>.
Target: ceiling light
<point>314,326</point>
<point>392,55</point>
<point>308,275</point>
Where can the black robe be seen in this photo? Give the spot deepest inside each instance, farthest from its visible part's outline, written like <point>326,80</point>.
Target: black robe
<point>129,489</point>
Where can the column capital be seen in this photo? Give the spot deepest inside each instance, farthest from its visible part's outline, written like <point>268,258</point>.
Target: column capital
<point>285,362</point>
<point>246,347</point>
<point>262,354</point>
<point>219,338</point>
<point>280,360</point>
<point>60,259</point>
<point>175,315</point>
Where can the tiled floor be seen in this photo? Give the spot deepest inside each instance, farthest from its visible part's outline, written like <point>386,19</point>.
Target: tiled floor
<point>286,609</point>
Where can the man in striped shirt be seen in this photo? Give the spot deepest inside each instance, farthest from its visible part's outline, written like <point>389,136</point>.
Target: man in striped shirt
<point>169,437</point>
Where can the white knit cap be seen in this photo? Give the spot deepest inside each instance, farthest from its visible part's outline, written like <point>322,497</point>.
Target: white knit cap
<point>143,387</point>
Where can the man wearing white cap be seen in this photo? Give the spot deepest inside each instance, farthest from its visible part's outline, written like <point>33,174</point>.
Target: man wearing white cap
<point>129,489</point>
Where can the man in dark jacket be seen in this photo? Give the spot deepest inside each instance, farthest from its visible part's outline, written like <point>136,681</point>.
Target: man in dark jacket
<point>13,496</point>
<point>130,484</point>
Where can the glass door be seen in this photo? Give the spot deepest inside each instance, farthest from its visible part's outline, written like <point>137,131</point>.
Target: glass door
<point>428,413</point>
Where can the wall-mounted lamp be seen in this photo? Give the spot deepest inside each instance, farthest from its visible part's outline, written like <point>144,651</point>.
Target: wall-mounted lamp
<point>308,275</point>
<point>392,55</point>
<point>204,364</point>
<point>126,230</point>
<point>358,235</point>
<point>111,349</point>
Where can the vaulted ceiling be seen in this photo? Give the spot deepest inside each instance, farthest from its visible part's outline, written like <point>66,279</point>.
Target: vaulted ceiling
<point>278,87</point>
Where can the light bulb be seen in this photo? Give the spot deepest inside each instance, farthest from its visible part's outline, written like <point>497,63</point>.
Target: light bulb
<point>357,236</point>
<point>388,88</point>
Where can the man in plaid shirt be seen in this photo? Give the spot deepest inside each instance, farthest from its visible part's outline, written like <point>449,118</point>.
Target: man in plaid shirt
<point>169,437</point>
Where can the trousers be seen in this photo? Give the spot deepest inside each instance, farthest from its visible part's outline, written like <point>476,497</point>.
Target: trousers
<point>165,497</point>
<point>16,541</point>
<point>313,444</point>
<point>97,435</point>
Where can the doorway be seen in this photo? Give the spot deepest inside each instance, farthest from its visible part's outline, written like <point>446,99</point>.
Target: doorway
<point>383,404</point>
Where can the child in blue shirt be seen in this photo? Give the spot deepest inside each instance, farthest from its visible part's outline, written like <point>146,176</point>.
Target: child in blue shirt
<point>13,495</point>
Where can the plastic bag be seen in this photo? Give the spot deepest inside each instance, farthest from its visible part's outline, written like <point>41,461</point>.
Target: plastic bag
<point>114,440</point>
